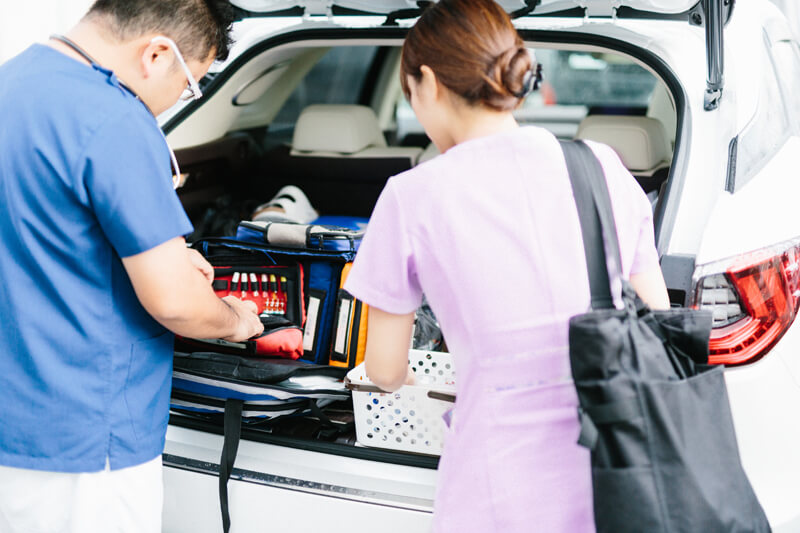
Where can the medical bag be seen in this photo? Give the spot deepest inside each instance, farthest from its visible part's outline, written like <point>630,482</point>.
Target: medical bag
<point>306,304</point>
<point>277,291</point>
<point>294,275</point>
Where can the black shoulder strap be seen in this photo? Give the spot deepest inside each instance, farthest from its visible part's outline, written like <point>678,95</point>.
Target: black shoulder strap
<point>596,218</point>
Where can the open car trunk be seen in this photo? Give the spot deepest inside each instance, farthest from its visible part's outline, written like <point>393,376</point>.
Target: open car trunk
<point>229,177</point>
<point>234,169</point>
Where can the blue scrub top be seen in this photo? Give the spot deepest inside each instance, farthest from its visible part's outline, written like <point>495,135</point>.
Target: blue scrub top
<point>85,179</point>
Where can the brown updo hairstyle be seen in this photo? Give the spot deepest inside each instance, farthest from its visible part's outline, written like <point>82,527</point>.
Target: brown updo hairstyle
<point>474,50</point>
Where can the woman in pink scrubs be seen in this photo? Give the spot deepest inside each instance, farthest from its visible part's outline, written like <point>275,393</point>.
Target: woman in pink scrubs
<point>489,232</point>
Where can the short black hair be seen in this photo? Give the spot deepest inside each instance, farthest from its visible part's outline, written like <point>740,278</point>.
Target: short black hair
<point>198,27</point>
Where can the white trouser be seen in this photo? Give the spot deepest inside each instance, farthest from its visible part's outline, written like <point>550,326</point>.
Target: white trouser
<point>122,501</point>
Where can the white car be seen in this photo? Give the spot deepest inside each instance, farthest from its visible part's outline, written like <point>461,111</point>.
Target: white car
<point>700,99</point>
<point>791,9</point>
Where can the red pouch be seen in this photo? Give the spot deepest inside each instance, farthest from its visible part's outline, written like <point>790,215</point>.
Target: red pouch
<point>284,340</point>
<point>281,338</point>
<point>277,291</point>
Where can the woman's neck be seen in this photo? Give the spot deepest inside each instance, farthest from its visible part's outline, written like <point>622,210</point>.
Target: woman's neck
<point>474,123</point>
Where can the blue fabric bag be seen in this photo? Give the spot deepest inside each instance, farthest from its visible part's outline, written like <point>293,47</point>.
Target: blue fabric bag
<point>333,233</point>
<point>268,388</point>
<point>343,221</point>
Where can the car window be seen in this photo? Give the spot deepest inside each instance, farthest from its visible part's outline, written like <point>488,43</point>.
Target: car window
<point>338,78</point>
<point>575,84</point>
<point>605,82</point>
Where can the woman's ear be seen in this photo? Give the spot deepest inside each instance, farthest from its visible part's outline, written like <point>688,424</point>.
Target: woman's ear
<point>428,83</point>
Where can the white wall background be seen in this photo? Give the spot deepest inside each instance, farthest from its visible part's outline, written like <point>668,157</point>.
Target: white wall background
<point>24,22</point>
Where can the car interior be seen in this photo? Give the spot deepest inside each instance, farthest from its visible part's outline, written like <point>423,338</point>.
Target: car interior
<point>333,121</point>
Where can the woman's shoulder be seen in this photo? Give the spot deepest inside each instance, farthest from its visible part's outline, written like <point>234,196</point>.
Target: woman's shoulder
<point>463,162</point>
<point>421,175</point>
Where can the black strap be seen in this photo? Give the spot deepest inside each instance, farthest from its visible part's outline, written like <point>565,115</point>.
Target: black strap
<point>80,51</point>
<point>598,228</point>
<point>355,330</point>
<point>233,433</point>
<point>605,212</point>
<point>84,54</point>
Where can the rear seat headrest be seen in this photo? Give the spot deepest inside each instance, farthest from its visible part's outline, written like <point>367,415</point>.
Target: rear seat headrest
<point>344,129</point>
<point>640,142</point>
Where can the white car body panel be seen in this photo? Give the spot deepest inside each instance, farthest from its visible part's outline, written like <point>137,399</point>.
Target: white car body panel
<point>761,213</point>
<point>757,215</point>
<point>704,185</point>
<point>792,10</point>
<point>293,490</point>
<point>761,397</point>
<point>254,509</point>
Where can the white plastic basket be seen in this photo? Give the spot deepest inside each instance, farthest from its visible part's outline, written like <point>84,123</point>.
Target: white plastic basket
<point>409,419</point>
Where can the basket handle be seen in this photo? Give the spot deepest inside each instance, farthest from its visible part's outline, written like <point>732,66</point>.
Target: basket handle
<point>432,394</point>
<point>358,387</point>
<point>443,396</point>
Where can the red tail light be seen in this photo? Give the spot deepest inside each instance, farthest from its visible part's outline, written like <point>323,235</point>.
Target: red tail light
<point>754,299</point>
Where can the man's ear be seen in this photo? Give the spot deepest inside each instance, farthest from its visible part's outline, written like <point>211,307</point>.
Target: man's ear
<point>155,58</point>
<point>428,83</point>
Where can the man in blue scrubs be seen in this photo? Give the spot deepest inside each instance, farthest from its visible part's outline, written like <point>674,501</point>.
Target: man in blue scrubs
<point>94,271</point>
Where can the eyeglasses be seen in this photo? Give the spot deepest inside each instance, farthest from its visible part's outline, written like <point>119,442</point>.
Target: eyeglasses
<point>192,92</point>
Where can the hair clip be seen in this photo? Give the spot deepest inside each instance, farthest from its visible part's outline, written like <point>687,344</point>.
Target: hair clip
<point>530,81</point>
<point>537,77</point>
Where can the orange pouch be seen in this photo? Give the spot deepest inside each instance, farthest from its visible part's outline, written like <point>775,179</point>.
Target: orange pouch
<point>350,327</point>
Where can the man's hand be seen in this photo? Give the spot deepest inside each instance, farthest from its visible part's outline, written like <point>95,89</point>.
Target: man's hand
<point>200,263</point>
<point>248,323</point>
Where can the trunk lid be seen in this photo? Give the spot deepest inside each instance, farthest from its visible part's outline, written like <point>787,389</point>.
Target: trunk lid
<point>598,8</point>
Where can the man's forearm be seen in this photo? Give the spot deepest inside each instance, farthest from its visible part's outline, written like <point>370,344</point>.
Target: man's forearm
<point>178,295</point>
<point>209,318</point>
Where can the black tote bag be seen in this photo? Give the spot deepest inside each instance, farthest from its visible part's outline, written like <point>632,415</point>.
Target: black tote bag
<point>653,413</point>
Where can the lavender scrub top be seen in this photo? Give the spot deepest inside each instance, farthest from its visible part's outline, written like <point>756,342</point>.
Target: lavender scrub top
<point>489,232</point>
